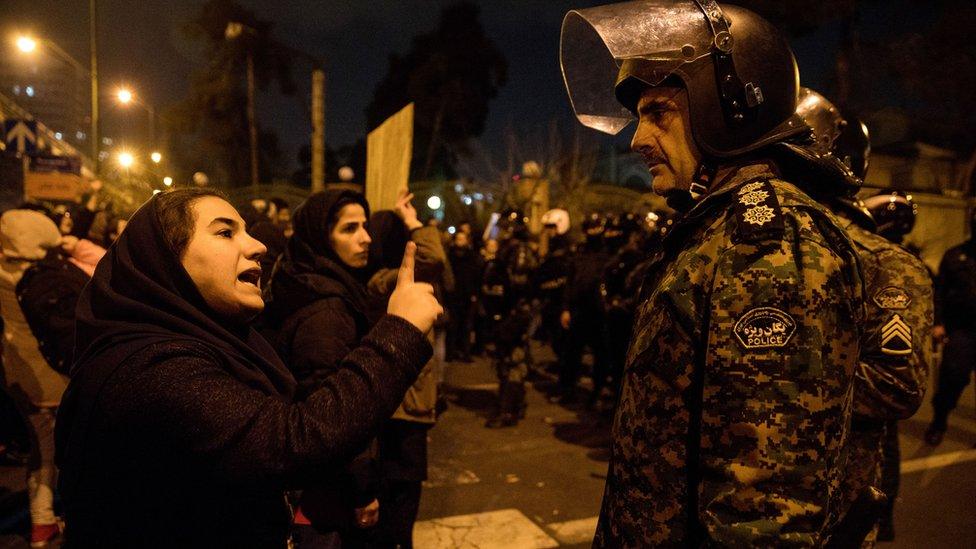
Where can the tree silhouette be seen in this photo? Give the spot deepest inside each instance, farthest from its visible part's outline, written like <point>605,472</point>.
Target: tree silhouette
<point>209,127</point>
<point>451,74</point>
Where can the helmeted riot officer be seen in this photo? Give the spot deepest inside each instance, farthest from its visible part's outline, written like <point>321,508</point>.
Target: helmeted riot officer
<point>896,352</point>
<point>516,263</point>
<point>582,317</point>
<point>553,274</point>
<point>955,322</point>
<point>894,213</point>
<point>626,238</point>
<point>753,285</point>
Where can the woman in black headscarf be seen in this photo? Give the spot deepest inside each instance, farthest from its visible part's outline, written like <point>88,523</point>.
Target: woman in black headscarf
<point>181,427</point>
<point>318,313</point>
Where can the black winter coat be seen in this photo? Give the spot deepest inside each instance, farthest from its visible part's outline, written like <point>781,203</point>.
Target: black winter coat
<point>181,428</point>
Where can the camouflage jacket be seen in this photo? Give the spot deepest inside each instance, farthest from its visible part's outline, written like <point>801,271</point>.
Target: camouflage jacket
<point>739,377</point>
<point>895,351</point>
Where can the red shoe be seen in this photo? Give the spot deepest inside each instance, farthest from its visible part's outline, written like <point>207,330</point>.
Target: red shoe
<point>41,534</point>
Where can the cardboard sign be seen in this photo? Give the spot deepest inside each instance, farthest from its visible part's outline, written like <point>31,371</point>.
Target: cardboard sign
<point>53,186</point>
<point>389,149</point>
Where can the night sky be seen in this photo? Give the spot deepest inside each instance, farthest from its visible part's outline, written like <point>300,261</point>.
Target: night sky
<point>143,44</point>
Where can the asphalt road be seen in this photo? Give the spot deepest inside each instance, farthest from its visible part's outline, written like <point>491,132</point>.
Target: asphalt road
<point>539,484</point>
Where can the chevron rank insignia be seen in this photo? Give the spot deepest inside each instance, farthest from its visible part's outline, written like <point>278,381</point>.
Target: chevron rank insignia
<point>896,337</point>
<point>893,297</point>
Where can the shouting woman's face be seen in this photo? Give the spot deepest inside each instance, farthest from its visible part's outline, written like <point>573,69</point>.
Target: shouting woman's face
<point>222,260</point>
<point>349,238</point>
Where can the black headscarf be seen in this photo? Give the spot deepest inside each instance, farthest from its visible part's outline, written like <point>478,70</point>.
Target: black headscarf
<point>310,270</point>
<point>390,237</point>
<point>141,295</point>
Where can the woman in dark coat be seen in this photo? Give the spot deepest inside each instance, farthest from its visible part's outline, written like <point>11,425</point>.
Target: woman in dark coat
<point>181,427</point>
<point>318,309</point>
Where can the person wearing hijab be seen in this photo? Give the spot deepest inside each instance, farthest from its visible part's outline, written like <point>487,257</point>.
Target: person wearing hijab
<point>403,440</point>
<point>318,309</point>
<point>181,427</point>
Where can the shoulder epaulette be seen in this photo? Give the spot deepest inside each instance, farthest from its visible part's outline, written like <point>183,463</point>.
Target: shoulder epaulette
<point>757,212</point>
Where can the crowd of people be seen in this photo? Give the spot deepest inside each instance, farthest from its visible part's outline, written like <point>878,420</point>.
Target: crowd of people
<point>194,375</point>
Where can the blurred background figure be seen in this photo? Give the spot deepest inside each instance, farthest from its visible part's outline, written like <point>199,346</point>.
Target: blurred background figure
<point>462,303</point>
<point>26,237</point>
<point>403,439</point>
<point>582,316</point>
<point>955,323</point>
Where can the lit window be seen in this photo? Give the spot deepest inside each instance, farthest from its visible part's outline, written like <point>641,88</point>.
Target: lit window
<point>29,90</point>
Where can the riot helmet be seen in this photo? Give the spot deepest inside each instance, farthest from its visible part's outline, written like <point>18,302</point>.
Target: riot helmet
<point>513,224</point>
<point>739,72</point>
<point>853,145</point>
<point>894,213</point>
<point>593,227</point>
<point>557,220</point>
<point>811,161</point>
<point>617,231</point>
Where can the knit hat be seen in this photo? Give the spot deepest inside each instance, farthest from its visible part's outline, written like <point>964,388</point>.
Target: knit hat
<point>27,234</point>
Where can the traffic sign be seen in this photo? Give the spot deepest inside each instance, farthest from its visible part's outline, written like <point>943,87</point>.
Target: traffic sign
<point>54,163</point>
<point>20,135</point>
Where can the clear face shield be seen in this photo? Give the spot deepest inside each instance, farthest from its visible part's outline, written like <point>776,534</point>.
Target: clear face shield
<point>647,40</point>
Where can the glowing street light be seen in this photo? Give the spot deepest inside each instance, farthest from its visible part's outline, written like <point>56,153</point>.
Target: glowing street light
<point>124,96</point>
<point>434,202</point>
<point>156,157</point>
<point>26,44</point>
<point>168,181</point>
<point>126,160</point>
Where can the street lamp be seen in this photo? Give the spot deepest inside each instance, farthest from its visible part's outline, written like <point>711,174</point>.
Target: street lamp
<point>156,157</point>
<point>168,181</point>
<point>26,44</point>
<point>125,159</point>
<point>126,97</point>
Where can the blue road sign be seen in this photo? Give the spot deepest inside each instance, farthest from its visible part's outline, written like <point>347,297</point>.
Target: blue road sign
<point>54,163</point>
<point>20,135</point>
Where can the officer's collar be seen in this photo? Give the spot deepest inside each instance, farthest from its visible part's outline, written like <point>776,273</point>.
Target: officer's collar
<point>730,178</point>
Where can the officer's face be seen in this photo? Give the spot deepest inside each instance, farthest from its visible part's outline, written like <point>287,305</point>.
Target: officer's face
<point>663,138</point>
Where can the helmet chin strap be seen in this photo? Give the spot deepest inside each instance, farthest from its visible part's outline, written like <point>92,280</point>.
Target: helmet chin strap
<point>702,180</point>
<point>684,200</point>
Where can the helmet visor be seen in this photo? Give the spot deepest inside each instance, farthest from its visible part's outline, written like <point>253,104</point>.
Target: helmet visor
<point>647,40</point>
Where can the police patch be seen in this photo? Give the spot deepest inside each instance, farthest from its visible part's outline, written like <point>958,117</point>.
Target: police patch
<point>764,327</point>
<point>896,337</point>
<point>893,297</point>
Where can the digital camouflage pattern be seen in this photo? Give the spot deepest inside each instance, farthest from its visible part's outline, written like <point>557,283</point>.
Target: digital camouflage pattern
<point>895,352</point>
<point>742,363</point>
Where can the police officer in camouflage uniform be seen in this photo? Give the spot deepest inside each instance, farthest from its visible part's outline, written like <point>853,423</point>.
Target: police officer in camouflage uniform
<point>553,274</point>
<point>511,335</point>
<point>737,395</point>
<point>896,352</point>
<point>582,314</point>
